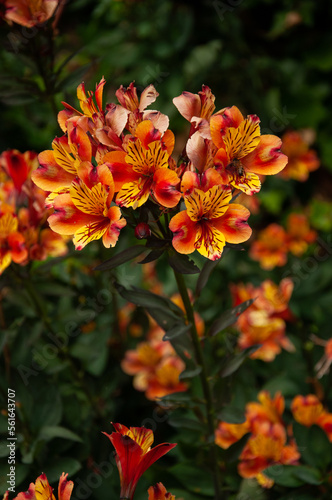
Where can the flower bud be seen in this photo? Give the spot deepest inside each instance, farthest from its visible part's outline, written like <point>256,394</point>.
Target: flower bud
<point>142,231</point>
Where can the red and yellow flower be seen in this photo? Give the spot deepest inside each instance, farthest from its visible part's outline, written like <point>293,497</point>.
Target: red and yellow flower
<point>86,212</point>
<point>242,151</point>
<point>134,455</point>
<point>143,170</point>
<point>41,489</point>
<point>208,222</point>
<point>159,492</point>
<point>299,233</point>
<point>12,242</point>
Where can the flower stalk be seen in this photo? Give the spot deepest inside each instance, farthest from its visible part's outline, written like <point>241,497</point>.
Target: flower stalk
<point>204,380</point>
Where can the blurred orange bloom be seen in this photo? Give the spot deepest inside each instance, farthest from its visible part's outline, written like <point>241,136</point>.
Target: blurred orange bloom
<point>299,233</point>
<point>12,243</point>
<point>301,159</point>
<point>29,13</point>
<point>264,321</point>
<point>308,410</point>
<point>270,248</point>
<point>268,443</point>
<point>158,492</point>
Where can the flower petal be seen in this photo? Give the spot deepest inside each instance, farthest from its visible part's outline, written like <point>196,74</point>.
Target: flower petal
<point>49,175</point>
<point>242,140</point>
<point>184,230</point>
<point>188,105</point>
<point>164,187</point>
<point>234,224</point>
<point>267,158</point>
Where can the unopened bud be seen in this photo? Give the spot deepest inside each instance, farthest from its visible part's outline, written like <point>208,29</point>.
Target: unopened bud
<point>142,231</point>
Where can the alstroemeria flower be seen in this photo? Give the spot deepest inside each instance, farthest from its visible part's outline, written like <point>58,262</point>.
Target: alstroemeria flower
<point>136,107</point>
<point>159,492</point>
<point>301,159</point>
<point>208,222</point>
<point>197,109</point>
<point>86,212</point>
<point>299,233</point>
<point>270,248</point>
<point>18,165</point>
<point>242,151</point>
<point>59,167</point>
<point>29,13</point>
<point>143,170</point>
<point>41,489</point>
<point>134,455</point>
<point>12,243</point>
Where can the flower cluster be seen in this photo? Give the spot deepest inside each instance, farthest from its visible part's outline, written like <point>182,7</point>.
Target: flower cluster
<point>264,322</point>
<point>29,13</point>
<point>154,363</point>
<point>41,489</point>
<point>112,159</point>
<point>269,443</point>
<point>301,159</point>
<point>24,234</point>
<point>273,243</point>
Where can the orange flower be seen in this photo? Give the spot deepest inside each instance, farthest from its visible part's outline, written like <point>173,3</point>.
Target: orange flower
<point>158,492</point>
<point>41,490</point>
<point>270,247</point>
<point>18,165</point>
<point>145,357</point>
<point>242,151</point>
<point>86,212</point>
<point>12,243</point>
<point>197,109</point>
<point>165,379</point>
<point>143,170</point>
<point>134,455</point>
<point>208,222</point>
<point>299,234</point>
<point>268,447</point>
<point>227,434</point>
<point>29,13</point>
<point>267,409</point>
<point>301,159</point>
<point>307,409</point>
<point>264,321</point>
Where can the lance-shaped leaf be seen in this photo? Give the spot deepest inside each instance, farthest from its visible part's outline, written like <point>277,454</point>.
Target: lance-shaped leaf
<point>183,264</point>
<point>153,255</point>
<point>231,415</point>
<point>236,361</point>
<point>229,317</point>
<point>176,331</point>
<point>121,258</point>
<point>205,274</point>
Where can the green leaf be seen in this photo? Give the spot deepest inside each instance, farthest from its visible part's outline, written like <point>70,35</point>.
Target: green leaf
<point>205,274</point>
<point>313,444</point>
<point>283,475</point>
<point>176,331</point>
<point>121,258</point>
<point>229,317</point>
<point>308,474</point>
<point>234,363</point>
<point>153,255</point>
<point>182,264</point>
<point>190,373</point>
<point>54,431</point>
<point>232,415</point>
<point>186,423</point>
<point>194,479</point>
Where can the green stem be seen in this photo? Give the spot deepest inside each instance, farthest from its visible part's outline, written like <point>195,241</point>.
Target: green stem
<point>204,380</point>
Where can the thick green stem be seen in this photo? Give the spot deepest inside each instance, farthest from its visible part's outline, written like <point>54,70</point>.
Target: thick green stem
<point>204,380</point>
